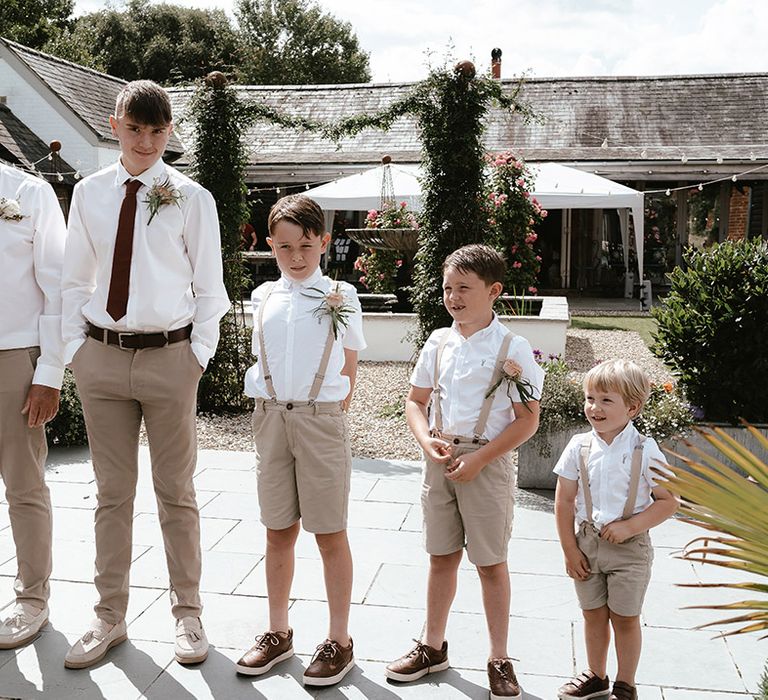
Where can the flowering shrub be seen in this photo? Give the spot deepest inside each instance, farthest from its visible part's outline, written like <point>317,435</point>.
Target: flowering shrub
<point>512,212</point>
<point>379,268</point>
<point>666,414</point>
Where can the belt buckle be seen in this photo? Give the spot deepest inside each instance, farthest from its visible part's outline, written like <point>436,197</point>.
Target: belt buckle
<point>120,337</point>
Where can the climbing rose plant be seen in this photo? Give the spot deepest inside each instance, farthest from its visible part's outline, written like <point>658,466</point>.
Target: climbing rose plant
<point>512,212</point>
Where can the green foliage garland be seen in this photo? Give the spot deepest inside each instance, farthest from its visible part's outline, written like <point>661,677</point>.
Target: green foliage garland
<point>712,329</point>
<point>218,164</point>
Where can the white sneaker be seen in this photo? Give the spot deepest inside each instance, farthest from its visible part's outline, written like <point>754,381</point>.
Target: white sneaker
<point>191,642</point>
<point>93,646</point>
<point>22,626</point>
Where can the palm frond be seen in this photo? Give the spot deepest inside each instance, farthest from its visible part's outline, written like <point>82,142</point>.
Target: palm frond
<point>726,495</point>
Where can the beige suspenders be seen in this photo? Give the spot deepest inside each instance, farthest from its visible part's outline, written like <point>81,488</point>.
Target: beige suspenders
<point>634,479</point>
<point>485,409</point>
<point>321,370</point>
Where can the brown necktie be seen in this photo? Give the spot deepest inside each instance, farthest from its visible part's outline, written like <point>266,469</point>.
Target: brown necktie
<point>117,301</point>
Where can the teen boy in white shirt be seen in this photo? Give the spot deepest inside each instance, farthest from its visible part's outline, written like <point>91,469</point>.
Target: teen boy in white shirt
<point>32,234</point>
<point>142,296</point>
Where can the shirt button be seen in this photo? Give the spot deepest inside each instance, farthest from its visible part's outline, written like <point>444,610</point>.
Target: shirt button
<point>289,406</point>
<point>456,441</point>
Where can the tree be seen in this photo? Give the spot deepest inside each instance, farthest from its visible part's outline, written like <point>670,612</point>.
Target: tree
<point>165,43</point>
<point>293,42</point>
<point>34,22</point>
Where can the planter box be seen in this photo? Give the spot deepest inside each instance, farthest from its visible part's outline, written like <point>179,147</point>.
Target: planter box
<point>535,471</point>
<point>389,335</point>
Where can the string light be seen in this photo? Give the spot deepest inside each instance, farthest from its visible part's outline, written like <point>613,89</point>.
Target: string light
<point>719,159</point>
<point>668,192</point>
<point>701,187</point>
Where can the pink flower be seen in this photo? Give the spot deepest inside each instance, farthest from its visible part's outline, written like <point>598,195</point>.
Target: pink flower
<point>356,265</point>
<point>517,264</point>
<point>513,249</point>
<point>526,194</point>
<point>363,280</point>
<point>403,205</point>
<point>532,290</point>
<point>398,263</point>
<point>381,276</point>
<point>372,214</point>
<point>520,182</point>
<point>531,237</point>
<point>334,299</point>
<point>538,258</point>
<point>511,369</point>
<point>491,222</point>
<point>543,213</point>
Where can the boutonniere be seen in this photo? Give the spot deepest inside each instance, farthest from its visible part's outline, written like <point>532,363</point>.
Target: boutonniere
<point>332,304</point>
<point>10,210</point>
<point>160,194</point>
<point>512,373</point>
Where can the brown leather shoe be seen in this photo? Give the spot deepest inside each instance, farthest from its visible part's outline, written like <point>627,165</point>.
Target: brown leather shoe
<point>330,663</point>
<point>623,691</point>
<point>418,662</point>
<point>271,648</point>
<point>502,680</point>
<point>585,685</point>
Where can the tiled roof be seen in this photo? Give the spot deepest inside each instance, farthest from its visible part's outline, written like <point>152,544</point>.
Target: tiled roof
<point>653,118</point>
<point>88,93</point>
<point>19,146</point>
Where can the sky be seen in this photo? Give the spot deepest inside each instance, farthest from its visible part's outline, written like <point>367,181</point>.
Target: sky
<point>542,38</point>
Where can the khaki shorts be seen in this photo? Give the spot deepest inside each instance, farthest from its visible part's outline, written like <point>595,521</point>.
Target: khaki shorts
<point>620,572</point>
<point>477,514</point>
<point>303,465</point>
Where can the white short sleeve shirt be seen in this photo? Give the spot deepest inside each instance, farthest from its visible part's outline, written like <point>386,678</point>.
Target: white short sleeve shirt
<point>295,337</point>
<point>466,369</point>
<point>609,468</point>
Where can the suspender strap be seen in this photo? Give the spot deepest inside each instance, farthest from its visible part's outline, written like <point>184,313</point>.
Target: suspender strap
<point>634,479</point>
<point>584,475</point>
<point>436,383</point>
<point>262,350</point>
<point>485,410</point>
<point>321,370</point>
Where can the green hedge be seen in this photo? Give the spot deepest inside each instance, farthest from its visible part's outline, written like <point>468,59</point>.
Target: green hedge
<point>713,330</point>
<point>68,427</point>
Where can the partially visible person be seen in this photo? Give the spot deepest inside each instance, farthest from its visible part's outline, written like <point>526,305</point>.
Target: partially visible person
<point>32,235</point>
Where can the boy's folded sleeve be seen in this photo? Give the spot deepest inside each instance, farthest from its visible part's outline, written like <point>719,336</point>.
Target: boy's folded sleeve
<point>568,464</point>
<point>353,335</point>
<point>423,372</point>
<point>653,458</point>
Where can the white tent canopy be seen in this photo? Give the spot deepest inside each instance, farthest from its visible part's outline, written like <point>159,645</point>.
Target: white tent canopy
<point>556,187</point>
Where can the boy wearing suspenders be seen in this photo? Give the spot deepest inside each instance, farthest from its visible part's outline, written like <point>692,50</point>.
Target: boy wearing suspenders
<point>475,420</point>
<point>605,483</point>
<point>307,333</point>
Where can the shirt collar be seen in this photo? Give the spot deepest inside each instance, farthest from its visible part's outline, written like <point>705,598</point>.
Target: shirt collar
<point>490,329</point>
<point>155,173</point>
<point>627,435</point>
<point>311,281</point>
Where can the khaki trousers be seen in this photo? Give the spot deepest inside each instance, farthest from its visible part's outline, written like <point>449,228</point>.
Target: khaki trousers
<point>22,465</point>
<point>117,388</point>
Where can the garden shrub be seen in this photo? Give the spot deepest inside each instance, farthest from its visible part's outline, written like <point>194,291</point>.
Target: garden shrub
<point>68,427</point>
<point>713,332</point>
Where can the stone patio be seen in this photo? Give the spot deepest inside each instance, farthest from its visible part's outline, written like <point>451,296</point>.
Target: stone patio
<point>388,601</point>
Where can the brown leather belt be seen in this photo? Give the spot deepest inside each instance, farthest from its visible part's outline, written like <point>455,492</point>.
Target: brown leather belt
<point>138,341</point>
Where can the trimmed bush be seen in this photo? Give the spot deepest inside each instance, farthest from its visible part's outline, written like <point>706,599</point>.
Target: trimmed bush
<point>67,429</point>
<point>713,331</point>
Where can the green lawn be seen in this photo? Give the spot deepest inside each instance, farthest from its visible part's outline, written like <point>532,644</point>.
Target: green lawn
<point>645,326</point>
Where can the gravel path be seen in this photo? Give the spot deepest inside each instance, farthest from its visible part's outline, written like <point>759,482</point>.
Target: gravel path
<point>376,418</point>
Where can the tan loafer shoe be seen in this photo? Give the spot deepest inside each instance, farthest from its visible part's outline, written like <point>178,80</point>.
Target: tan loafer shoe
<point>93,646</point>
<point>191,642</point>
<point>22,626</point>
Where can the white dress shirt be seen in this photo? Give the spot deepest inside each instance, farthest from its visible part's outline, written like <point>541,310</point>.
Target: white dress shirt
<point>295,339</point>
<point>466,369</point>
<point>176,268</point>
<point>31,255</point>
<point>609,468</point>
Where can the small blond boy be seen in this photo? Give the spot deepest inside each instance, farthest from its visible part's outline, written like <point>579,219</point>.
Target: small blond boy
<point>307,332</point>
<point>606,485</point>
<point>469,480</point>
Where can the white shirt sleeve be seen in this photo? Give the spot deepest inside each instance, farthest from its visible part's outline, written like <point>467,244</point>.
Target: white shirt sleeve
<point>78,279</point>
<point>520,351</point>
<point>653,458</point>
<point>202,238</point>
<point>423,375</point>
<point>48,251</point>
<point>568,464</point>
<point>353,334</point>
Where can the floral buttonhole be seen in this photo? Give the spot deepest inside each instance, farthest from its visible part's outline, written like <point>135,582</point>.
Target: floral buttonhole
<point>332,304</point>
<point>512,374</point>
<point>161,194</point>
<point>10,210</point>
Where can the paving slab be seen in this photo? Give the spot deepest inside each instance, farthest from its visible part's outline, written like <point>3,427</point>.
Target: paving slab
<point>389,593</point>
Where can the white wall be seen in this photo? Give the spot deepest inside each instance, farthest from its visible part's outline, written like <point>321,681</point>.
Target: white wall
<point>45,117</point>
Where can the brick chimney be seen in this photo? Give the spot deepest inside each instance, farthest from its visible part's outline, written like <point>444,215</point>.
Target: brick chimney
<point>496,64</point>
